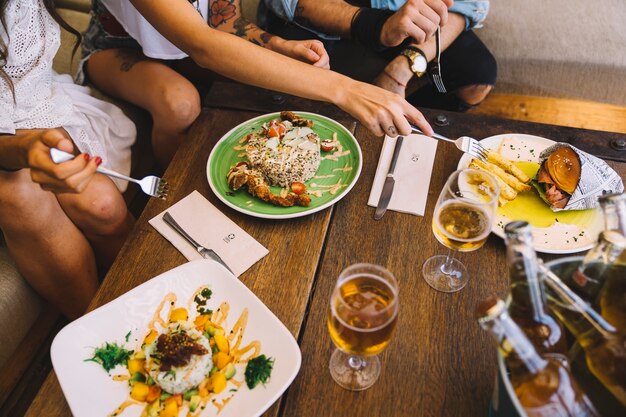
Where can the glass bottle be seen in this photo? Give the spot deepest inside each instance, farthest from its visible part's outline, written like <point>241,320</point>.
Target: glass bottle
<point>604,346</point>
<point>527,302</point>
<point>543,384</point>
<point>601,261</point>
<point>614,209</point>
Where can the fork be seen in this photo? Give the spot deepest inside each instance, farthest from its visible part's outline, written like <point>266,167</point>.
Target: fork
<point>151,185</point>
<point>466,144</point>
<point>435,68</point>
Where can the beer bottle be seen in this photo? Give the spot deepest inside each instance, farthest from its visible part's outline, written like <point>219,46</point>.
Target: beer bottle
<point>601,261</point>
<point>614,209</point>
<point>604,346</point>
<point>543,384</point>
<point>527,302</point>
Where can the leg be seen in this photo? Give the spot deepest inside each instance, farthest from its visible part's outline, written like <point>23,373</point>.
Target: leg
<point>101,214</point>
<point>469,71</point>
<point>172,100</point>
<point>50,252</point>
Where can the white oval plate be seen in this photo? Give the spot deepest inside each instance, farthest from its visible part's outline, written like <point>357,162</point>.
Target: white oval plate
<point>579,234</point>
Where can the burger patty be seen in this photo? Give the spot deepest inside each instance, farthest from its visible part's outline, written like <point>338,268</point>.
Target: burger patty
<point>557,197</point>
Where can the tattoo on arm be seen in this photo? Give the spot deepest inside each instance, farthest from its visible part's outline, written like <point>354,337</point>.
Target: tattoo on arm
<point>221,11</point>
<point>299,18</point>
<point>128,58</point>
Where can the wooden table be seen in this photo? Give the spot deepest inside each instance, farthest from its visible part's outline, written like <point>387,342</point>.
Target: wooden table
<point>439,361</point>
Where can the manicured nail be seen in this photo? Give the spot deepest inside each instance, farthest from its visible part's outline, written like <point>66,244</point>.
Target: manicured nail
<point>98,160</point>
<point>86,156</point>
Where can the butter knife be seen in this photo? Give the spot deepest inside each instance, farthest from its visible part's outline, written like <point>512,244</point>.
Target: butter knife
<point>385,195</point>
<point>204,252</point>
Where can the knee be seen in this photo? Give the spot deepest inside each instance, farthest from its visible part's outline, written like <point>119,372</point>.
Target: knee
<point>178,107</point>
<point>100,209</point>
<point>474,94</point>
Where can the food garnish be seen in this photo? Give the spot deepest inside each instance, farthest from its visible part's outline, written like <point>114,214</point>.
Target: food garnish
<point>327,145</point>
<point>258,370</point>
<point>184,362</point>
<point>110,355</point>
<point>298,188</point>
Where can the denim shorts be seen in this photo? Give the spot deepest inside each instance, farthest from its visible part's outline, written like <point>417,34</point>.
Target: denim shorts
<point>104,32</point>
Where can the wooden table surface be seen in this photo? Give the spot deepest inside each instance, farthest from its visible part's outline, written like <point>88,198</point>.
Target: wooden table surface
<point>439,362</point>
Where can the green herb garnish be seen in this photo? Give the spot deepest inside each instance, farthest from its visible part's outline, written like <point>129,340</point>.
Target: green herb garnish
<point>201,300</point>
<point>110,355</point>
<point>258,370</point>
<point>127,336</point>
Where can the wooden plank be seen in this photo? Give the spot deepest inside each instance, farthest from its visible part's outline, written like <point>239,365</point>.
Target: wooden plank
<point>557,111</point>
<point>282,280</point>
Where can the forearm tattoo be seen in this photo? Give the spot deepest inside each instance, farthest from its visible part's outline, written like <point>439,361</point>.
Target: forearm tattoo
<point>299,18</point>
<point>221,11</point>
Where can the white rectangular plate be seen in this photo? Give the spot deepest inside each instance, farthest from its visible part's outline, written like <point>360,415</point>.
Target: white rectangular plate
<point>91,392</point>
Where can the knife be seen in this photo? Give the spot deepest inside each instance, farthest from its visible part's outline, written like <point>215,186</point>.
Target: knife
<point>204,252</point>
<point>385,195</point>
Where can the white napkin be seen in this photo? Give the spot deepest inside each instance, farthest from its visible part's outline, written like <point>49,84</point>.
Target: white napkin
<point>412,173</point>
<point>213,230</point>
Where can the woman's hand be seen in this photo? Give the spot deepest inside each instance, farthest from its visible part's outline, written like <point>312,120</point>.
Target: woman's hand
<point>381,111</point>
<point>66,177</point>
<point>309,51</point>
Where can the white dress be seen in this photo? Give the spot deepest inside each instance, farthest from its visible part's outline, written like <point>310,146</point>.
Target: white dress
<point>45,99</point>
<point>153,44</point>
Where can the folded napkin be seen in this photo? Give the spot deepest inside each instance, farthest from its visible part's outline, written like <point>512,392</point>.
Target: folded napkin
<point>213,230</point>
<point>412,173</point>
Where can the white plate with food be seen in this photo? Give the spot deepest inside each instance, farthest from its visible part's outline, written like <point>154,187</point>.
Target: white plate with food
<point>284,165</point>
<point>559,232</point>
<point>193,338</point>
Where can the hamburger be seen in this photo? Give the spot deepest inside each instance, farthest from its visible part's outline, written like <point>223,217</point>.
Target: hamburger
<point>558,177</point>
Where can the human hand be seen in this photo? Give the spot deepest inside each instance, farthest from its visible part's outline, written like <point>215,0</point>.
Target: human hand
<point>67,177</point>
<point>381,111</point>
<point>417,19</point>
<point>310,51</point>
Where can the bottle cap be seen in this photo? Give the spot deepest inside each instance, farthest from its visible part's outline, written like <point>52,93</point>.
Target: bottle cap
<point>611,198</point>
<point>614,238</point>
<point>516,227</point>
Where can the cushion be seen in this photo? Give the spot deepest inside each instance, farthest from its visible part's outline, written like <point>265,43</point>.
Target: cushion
<point>19,305</point>
<point>559,48</point>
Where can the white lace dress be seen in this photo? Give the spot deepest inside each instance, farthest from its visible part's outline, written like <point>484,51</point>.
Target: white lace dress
<point>45,99</point>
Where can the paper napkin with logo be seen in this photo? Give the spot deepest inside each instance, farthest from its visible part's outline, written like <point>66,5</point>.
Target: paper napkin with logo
<point>212,229</point>
<point>412,173</point>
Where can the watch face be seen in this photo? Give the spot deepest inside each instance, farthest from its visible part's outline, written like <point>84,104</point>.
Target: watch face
<point>419,64</point>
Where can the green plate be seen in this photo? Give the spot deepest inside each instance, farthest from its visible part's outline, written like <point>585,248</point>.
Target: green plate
<point>345,170</point>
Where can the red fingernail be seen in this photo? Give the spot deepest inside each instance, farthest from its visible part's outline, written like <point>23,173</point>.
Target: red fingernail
<point>98,160</point>
<point>86,156</point>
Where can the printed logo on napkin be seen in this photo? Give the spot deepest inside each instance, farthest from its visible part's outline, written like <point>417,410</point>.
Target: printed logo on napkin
<point>596,178</point>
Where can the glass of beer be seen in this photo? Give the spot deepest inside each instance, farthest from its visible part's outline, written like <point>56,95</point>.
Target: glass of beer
<point>363,314</point>
<point>462,222</point>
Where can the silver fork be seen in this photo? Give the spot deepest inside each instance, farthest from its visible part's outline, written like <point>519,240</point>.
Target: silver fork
<point>151,185</point>
<point>435,68</point>
<point>466,144</point>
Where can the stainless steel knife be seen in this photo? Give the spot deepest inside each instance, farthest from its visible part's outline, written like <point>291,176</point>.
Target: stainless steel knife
<point>204,252</point>
<point>385,195</point>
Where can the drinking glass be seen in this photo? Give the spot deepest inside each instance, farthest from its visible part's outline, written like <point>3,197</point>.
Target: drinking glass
<point>363,313</point>
<point>462,221</point>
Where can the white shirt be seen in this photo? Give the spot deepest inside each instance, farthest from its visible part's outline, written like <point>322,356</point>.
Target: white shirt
<point>44,99</point>
<point>153,44</point>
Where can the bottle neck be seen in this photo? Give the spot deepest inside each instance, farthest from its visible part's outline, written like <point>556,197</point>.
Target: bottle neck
<point>527,295</point>
<point>615,215</point>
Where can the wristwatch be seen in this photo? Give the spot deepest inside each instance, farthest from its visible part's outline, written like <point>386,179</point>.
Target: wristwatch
<point>417,60</point>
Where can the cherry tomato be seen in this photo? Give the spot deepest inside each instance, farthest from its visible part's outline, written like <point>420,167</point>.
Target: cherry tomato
<point>327,145</point>
<point>276,129</point>
<point>298,188</point>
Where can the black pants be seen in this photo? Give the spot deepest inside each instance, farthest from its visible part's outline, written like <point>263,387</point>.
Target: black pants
<point>467,61</point>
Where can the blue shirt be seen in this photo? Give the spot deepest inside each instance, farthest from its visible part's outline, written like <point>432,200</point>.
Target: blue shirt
<point>474,11</point>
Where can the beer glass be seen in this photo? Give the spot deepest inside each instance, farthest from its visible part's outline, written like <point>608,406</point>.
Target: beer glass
<point>462,221</point>
<point>362,316</point>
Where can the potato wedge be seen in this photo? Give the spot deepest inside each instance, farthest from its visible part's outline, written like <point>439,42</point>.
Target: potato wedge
<point>511,180</point>
<point>502,162</point>
<point>506,191</point>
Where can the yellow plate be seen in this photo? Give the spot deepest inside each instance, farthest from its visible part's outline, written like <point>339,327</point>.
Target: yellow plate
<point>559,233</point>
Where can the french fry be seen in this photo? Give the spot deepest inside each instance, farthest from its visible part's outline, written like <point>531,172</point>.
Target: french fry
<point>502,162</point>
<point>511,180</point>
<point>506,191</point>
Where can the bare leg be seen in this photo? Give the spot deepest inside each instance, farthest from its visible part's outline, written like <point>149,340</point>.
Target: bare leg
<point>101,214</point>
<point>171,99</point>
<point>50,252</point>
<point>473,94</point>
